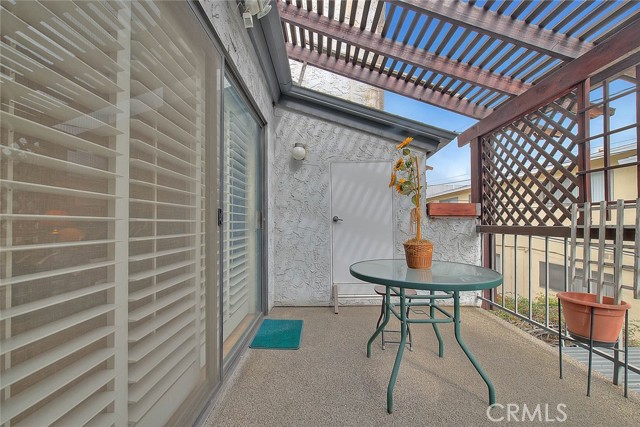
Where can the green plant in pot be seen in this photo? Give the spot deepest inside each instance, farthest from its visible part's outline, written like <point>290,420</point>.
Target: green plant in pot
<point>405,179</point>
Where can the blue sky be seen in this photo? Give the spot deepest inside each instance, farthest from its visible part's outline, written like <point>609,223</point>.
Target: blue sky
<point>451,164</point>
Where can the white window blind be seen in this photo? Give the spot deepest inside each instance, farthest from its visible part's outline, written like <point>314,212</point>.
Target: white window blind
<point>102,213</point>
<point>165,224</point>
<point>240,248</point>
<point>59,85</point>
<point>235,234</point>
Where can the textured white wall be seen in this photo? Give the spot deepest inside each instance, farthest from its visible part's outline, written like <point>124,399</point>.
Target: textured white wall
<point>301,208</point>
<point>333,84</point>
<point>227,23</point>
<point>455,239</point>
<point>301,214</point>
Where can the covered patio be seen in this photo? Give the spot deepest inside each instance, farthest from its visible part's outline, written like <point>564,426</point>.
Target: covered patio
<point>153,211</point>
<point>329,381</point>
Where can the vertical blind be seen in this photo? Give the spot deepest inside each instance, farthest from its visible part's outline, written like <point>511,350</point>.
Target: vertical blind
<point>102,212</point>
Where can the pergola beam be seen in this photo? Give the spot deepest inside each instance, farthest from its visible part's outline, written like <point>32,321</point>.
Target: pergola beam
<point>615,49</point>
<point>388,48</point>
<point>501,27</point>
<point>390,83</point>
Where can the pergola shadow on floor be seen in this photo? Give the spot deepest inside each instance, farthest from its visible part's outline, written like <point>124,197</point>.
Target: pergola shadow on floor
<point>329,380</point>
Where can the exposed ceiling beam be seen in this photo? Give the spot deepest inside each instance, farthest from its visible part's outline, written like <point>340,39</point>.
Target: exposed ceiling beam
<point>612,51</point>
<point>388,48</point>
<point>501,27</point>
<point>390,83</point>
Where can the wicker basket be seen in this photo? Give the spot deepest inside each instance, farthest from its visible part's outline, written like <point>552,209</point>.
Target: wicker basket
<point>418,253</point>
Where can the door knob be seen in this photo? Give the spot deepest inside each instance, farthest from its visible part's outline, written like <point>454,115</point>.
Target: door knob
<point>336,219</point>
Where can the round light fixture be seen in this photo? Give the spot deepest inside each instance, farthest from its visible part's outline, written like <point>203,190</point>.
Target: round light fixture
<point>298,151</point>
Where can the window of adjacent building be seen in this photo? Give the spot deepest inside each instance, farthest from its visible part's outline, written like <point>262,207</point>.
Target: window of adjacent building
<point>557,277</point>
<point>109,112</point>
<point>613,133</point>
<point>449,200</point>
<point>498,263</point>
<point>597,185</point>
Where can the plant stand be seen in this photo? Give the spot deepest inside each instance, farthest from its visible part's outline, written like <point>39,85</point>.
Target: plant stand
<point>590,344</point>
<point>592,318</point>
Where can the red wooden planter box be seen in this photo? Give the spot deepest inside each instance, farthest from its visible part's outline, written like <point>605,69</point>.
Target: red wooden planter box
<point>453,209</point>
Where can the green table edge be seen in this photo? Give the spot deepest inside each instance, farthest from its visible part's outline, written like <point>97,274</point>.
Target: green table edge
<point>429,286</point>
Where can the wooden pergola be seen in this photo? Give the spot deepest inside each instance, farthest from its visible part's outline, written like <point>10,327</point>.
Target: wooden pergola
<point>525,69</point>
<point>543,78</point>
<point>469,57</point>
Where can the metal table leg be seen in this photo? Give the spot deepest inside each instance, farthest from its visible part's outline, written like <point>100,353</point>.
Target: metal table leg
<point>382,307</point>
<point>432,314</point>
<point>403,341</point>
<point>387,312</point>
<point>456,321</point>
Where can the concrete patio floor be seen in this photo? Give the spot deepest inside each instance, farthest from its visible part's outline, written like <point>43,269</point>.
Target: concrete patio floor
<point>330,382</point>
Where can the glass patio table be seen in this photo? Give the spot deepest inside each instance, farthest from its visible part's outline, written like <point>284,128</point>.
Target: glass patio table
<point>445,280</point>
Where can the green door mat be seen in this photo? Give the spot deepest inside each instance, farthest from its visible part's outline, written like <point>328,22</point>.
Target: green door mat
<point>278,334</point>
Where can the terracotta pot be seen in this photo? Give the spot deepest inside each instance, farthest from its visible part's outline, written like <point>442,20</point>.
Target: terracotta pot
<point>418,253</point>
<point>608,317</point>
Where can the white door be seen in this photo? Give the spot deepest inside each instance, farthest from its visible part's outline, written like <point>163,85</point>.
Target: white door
<point>362,227</point>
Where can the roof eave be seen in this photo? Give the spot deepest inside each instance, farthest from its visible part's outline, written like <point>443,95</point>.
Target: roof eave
<point>427,138</point>
<point>268,43</point>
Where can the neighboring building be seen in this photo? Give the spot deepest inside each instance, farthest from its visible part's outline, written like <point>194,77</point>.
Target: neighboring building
<point>449,193</point>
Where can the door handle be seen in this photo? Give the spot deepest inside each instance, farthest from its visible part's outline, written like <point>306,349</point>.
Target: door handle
<point>336,219</point>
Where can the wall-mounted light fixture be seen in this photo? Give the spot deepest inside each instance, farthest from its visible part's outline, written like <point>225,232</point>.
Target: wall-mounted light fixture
<point>259,8</point>
<point>299,151</point>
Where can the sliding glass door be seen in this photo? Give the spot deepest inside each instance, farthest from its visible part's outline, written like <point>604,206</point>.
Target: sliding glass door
<point>241,213</point>
<point>109,125</point>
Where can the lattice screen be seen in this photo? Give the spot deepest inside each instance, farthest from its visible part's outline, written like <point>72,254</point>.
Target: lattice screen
<point>529,168</point>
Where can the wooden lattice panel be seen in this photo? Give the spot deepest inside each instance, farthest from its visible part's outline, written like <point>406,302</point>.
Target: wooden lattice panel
<point>529,168</point>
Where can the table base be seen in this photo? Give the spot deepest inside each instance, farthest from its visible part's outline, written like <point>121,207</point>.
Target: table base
<point>404,321</point>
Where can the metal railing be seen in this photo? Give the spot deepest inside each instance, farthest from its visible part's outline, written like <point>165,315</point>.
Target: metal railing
<point>529,295</point>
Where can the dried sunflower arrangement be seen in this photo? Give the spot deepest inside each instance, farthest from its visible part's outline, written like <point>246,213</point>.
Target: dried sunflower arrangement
<point>405,178</point>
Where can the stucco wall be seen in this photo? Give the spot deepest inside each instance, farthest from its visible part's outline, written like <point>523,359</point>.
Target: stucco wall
<point>333,84</point>
<point>301,212</point>
<point>228,25</point>
<point>455,239</point>
<point>301,196</point>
